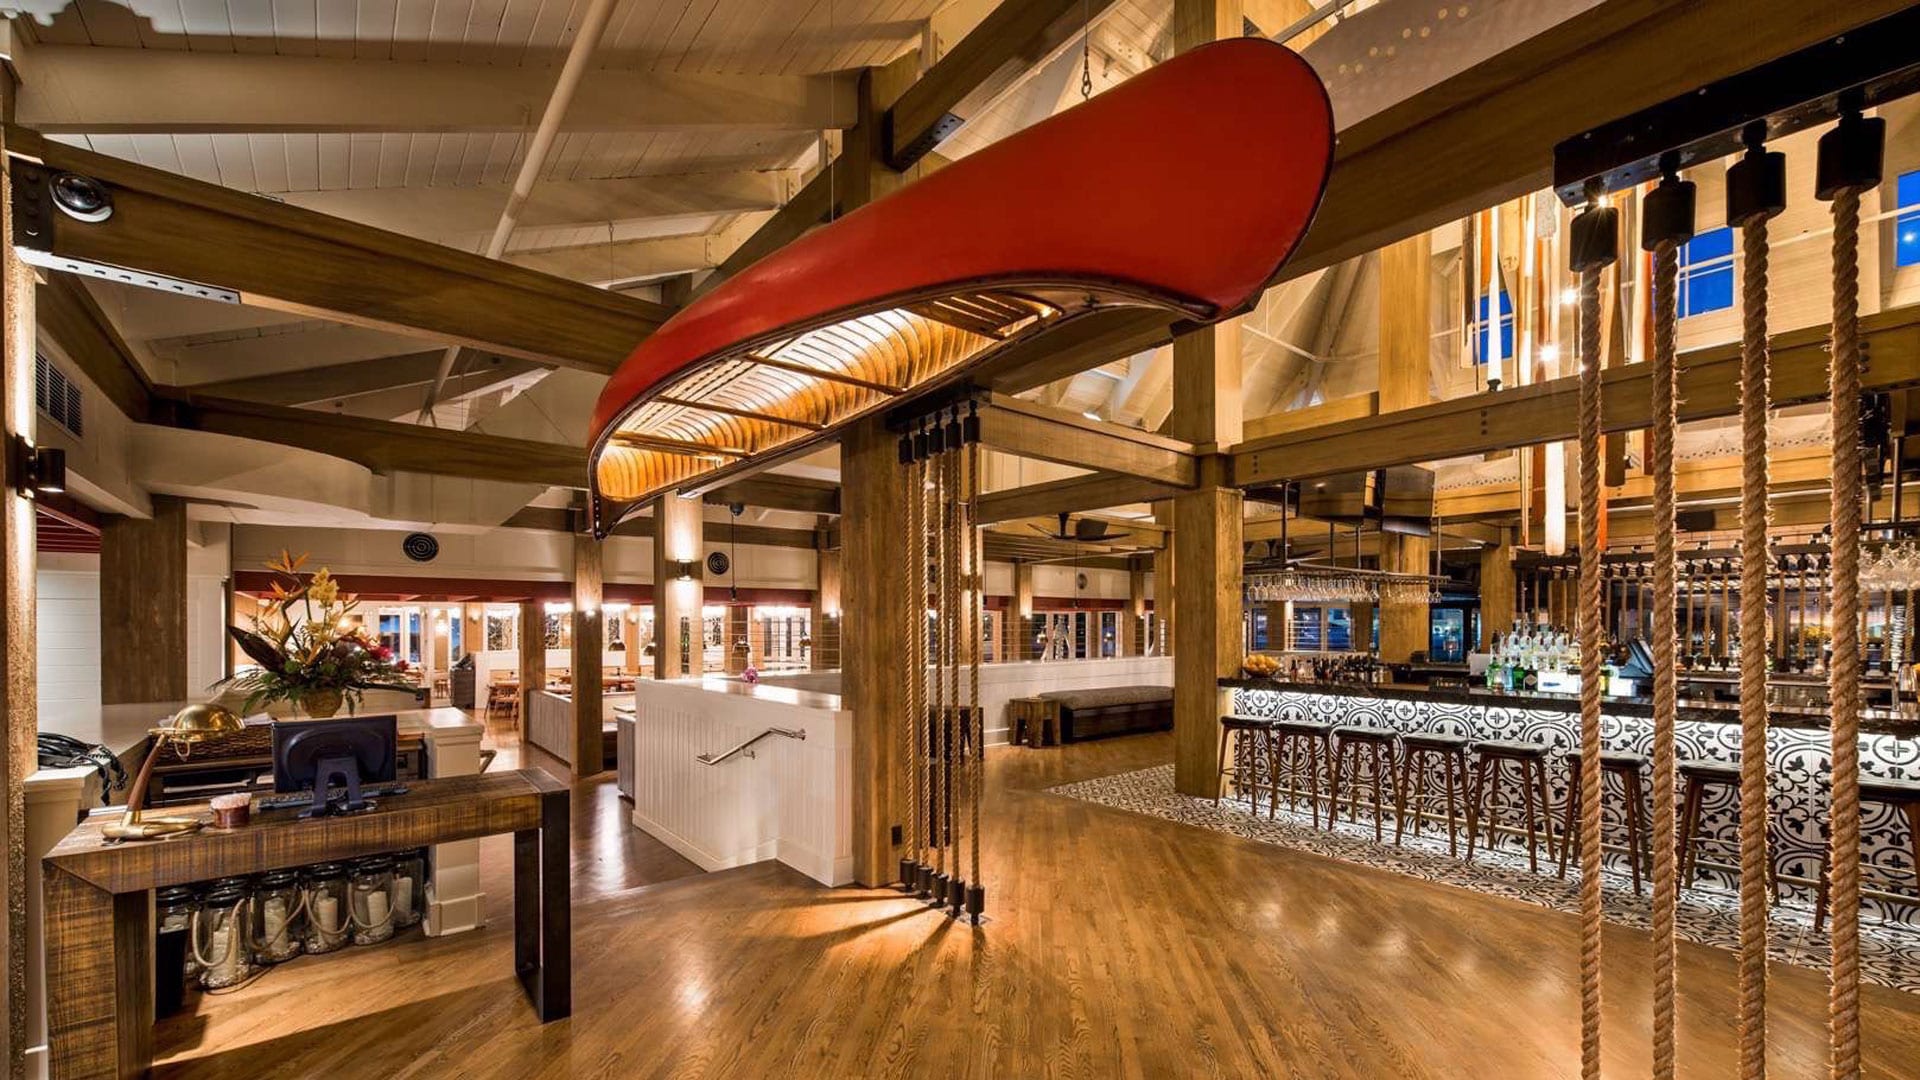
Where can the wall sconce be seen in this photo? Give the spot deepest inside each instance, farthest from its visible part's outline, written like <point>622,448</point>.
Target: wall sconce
<point>684,569</point>
<point>38,470</point>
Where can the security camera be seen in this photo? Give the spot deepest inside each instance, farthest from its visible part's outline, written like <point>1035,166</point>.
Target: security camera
<point>82,197</point>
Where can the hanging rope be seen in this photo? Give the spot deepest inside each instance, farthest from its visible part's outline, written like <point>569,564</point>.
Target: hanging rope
<point>935,733</point>
<point>1668,221</point>
<point>1594,239</point>
<point>915,629</point>
<point>1756,190</point>
<point>1850,162</point>
<point>956,886</point>
<point>977,580</point>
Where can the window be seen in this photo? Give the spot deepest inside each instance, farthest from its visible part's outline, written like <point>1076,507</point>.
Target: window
<point>1706,273</point>
<point>1906,227</point>
<point>1481,340</point>
<point>56,395</point>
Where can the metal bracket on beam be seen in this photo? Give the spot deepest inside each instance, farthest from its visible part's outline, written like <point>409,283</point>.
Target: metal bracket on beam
<point>1874,64</point>
<point>902,158</point>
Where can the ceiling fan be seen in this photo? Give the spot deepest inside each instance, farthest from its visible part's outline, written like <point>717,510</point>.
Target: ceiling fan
<point>1083,531</point>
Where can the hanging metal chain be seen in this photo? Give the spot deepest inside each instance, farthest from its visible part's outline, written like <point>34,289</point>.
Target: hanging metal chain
<point>1086,49</point>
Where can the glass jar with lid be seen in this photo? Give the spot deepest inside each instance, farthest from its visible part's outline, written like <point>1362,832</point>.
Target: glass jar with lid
<point>277,910</point>
<point>327,928</point>
<point>409,887</point>
<point>371,890</point>
<point>174,908</point>
<point>218,940</point>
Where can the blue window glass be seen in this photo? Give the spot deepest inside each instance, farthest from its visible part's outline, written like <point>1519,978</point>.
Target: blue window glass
<point>1481,341</point>
<point>1706,272</point>
<point>1906,227</point>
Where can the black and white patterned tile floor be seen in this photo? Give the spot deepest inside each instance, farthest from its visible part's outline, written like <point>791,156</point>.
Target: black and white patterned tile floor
<point>1890,952</point>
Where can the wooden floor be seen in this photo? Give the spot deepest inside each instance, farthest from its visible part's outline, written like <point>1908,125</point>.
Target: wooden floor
<point>1120,946</point>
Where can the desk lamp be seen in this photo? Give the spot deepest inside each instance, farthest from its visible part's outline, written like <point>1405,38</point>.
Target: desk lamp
<point>191,725</point>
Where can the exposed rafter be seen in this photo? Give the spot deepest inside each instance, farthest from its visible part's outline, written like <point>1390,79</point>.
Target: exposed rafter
<point>1067,438</point>
<point>1095,491</point>
<point>280,256</point>
<point>87,89</point>
<point>310,386</point>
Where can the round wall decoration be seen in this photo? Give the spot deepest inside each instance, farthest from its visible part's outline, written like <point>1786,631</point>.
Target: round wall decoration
<point>1080,581</point>
<point>420,547</point>
<point>718,563</point>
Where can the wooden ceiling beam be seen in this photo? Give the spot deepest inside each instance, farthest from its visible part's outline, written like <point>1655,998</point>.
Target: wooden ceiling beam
<point>1709,388</point>
<point>1015,31</point>
<point>87,89</point>
<point>383,445</point>
<point>283,257</point>
<point>1067,438</point>
<point>777,492</point>
<point>309,386</point>
<point>66,313</point>
<point>1095,491</point>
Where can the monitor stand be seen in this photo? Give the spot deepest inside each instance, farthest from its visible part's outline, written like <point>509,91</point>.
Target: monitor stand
<point>348,770</point>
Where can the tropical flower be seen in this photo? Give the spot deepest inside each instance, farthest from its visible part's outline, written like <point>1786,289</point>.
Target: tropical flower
<point>323,647</point>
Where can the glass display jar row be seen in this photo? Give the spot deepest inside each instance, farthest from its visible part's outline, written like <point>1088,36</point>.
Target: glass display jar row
<point>234,926</point>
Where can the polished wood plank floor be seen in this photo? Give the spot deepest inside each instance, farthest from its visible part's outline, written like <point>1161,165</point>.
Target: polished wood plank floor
<point>1120,946</point>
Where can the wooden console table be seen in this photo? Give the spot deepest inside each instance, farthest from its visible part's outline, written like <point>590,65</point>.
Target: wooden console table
<point>99,900</point>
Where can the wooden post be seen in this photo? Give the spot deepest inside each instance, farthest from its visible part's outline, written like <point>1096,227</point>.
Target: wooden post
<point>873,530</point>
<point>1498,588</point>
<point>18,693</point>
<point>143,605</point>
<point>1406,348</point>
<point>825,624</point>
<point>1133,620</point>
<point>1404,622</point>
<point>533,654</point>
<point>1163,579</point>
<point>1022,613</point>
<point>676,540</point>
<point>738,632</point>
<point>589,636</point>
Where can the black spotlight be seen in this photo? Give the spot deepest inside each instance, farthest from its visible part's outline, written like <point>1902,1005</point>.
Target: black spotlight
<point>82,197</point>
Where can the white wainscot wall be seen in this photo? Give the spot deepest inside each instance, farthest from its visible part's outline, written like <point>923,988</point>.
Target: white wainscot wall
<point>791,800</point>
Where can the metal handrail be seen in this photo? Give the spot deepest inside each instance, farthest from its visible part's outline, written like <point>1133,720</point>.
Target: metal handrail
<point>710,759</point>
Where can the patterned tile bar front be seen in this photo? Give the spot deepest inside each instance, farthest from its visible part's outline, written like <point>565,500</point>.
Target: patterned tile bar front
<point>1797,754</point>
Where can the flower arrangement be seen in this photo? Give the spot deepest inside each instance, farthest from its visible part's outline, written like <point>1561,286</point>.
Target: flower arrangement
<point>310,648</point>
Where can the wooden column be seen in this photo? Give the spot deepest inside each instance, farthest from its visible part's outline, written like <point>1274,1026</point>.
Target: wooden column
<point>1022,613</point>
<point>676,539</point>
<point>1499,591</point>
<point>873,530</point>
<point>18,693</point>
<point>533,653</point>
<point>589,637</point>
<point>1133,618</point>
<point>738,632</point>
<point>1404,623</point>
<point>1206,541</point>
<point>1406,346</point>
<point>1163,579</point>
<point>825,625</point>
<point>473,630</point>
<point>143,605</point>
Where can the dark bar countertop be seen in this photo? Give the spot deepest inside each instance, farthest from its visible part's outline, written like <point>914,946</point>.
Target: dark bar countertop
<point>1872,721</point>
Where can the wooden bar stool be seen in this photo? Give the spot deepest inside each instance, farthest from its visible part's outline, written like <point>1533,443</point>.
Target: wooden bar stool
<point>1252,738</point>
<point>1419,751</point>
<point>1371,745</point>
<point>1698,778</point>
<point>1903,796</point>
<point>1530,758</point>
<point>1299,741</point>
<point>1628,769</point>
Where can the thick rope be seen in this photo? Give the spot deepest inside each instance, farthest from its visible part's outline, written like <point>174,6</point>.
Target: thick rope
<point>1754,567</point>
<point>977,580</point>
<point>1665,689</point>
<point>937,732</point>
<point>906,720</point>
<point>1843,675</point>
<point>1592,643</point>
<point>950,634</point>
<point>916,630</point>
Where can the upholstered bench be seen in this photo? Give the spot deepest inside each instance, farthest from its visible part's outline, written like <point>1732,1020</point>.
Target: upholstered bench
<point>1115,710</point>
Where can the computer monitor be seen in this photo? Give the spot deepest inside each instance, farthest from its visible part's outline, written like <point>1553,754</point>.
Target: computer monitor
<point>311,754</point>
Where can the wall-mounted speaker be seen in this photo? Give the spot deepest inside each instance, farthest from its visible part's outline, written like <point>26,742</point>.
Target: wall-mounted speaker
<point>420,547</point>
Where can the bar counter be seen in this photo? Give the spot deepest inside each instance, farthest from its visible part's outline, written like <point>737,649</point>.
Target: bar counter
<point>1798,757</point>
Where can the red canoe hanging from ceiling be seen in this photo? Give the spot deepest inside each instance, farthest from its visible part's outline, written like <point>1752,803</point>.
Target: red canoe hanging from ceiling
<point>1184,188</point>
